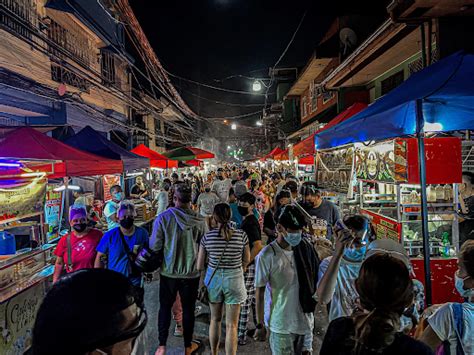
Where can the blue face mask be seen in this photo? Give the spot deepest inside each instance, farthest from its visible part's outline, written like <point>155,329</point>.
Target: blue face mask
<point>118,196</point>
<point>255,213</point>
<point>459,284</point>
<point>293,239</point>
<point>355,254</point>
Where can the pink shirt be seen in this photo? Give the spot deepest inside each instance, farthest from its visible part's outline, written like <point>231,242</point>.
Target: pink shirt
<point>83,250</point>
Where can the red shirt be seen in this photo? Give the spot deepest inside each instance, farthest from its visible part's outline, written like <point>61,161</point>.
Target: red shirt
<point>83,250</point>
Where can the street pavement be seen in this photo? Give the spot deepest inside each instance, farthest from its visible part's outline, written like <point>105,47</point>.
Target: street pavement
<point>175,344</point>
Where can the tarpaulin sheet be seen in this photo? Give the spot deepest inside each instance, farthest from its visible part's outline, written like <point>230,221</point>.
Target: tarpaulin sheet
<point>446,89</point>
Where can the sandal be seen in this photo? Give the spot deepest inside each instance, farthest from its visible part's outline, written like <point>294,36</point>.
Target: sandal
<point>196,347</point>
<point>242,342</point>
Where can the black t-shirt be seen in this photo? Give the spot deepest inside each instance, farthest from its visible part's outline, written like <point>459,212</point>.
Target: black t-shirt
<point>338,341</point>
<point>251,227</point>
<point>136,190</point>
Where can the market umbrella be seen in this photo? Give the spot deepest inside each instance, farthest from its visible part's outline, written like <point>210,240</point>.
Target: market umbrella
<point>188,153</point>
<point>195,162</point>
<point>156,159</point>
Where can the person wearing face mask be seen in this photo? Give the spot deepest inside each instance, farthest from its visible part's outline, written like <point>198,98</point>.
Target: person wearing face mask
<point>285,281</point>
<point>282,199</point>
<point>90,312</point>
<point>337,273</point>
<point>80,244</point>
<point>251,227</point>
<point>316,206</point>
<point>222,185</point>
<point>454,322</point>
<point>122,244</point>
<point>111,207</point>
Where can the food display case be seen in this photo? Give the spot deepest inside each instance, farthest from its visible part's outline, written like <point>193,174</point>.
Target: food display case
<point>335,176</point>
<point>389,194</point>
<point>25,254</point>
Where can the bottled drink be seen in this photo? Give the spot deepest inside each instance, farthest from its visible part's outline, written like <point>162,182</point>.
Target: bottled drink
<point>446,250</point>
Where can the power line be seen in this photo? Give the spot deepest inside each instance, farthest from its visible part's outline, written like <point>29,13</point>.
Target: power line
<point>213,87</point>
<point>221,102</point>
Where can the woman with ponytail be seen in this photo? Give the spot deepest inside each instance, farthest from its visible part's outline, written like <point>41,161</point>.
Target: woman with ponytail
<point>385,290</point>
<point>227,254</point>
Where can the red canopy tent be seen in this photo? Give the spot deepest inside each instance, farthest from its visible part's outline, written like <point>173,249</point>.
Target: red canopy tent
<point>285,155</point>
<point>156,159</point>
<point>307,147</point>
<point>29,144</point>
<point>195,162</point>
<point>272,154</point>
<point>307,160</point>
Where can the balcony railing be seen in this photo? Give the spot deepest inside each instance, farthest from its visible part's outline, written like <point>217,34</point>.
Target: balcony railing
<point>63,75</point>
<point>74,42</point>
<point>19,17</point>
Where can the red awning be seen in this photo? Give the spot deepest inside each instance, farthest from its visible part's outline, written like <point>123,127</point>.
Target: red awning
<point>195,162</point>
<point>156,159</point>
<point>308,160</point>
<point>272,154</point>
<point>27,143</point>
<point>285,155</point>
<point>306,146</point>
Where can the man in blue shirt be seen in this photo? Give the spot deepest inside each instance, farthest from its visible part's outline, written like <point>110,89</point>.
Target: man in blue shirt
<point>112,245</point>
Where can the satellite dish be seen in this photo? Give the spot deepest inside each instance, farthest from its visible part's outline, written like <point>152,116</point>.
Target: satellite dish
<point>348,38</point>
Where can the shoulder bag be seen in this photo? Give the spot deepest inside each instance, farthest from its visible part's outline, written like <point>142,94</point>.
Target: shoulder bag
<point>69,253</point>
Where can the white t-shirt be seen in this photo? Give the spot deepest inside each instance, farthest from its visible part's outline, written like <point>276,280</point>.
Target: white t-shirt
<point>442,323</point>
<point>276,269</point>
<point>110,209</point>
<point>222,188</point>
<point>207,201</point>
<point>162,201</point>
<point>345,295</point>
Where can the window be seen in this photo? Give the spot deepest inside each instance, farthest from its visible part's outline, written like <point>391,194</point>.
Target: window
<point>19,16</point>
<point>327,96</point>
<point>108,67</point>
<point>391,82</point>
<point>74,42</point>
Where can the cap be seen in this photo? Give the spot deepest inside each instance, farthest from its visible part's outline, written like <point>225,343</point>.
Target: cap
<point>77,211</point>
<point>388,246</point>
<point>240,188</point>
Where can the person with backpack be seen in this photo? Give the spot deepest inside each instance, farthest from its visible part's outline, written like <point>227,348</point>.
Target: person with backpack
<point>228,253</point>
<point>385,290</point>
<point>286,273</point>
<point>121,246</point>
<point>451,327</point>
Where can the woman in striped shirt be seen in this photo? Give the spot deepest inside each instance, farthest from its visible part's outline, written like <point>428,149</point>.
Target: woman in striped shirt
<point>228,253</point>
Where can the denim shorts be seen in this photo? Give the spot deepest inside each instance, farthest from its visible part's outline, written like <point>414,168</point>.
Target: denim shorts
<point>227,286</point>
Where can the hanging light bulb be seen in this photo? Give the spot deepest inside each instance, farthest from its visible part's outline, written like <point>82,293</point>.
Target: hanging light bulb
<point>233,126</point>
<point>259,123</point>
<point>257,85</point>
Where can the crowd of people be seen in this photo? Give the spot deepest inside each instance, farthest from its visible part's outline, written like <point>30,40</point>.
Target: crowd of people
<point>263,250</point>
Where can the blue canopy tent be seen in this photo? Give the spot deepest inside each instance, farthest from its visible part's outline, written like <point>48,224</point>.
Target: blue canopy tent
<point>438,98</point>
<point>91,141</point>
<point>446,89</point>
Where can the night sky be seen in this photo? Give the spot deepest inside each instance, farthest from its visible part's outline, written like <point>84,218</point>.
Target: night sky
<point>208,40</point>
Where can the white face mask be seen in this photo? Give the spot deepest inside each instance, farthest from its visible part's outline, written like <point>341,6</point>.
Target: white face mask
<point>459,284</point>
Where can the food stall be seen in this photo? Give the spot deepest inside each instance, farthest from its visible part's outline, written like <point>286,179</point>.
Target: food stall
<point>30,215</point>
<point>436,99</point>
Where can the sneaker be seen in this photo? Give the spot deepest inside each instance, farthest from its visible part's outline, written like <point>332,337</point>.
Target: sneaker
<point>197,311</point>
<point>242,341</point>
<point>178,330</point>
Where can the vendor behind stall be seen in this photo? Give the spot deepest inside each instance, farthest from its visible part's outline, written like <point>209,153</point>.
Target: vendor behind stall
<point>139,190</point>
<point>111,207</point>
<point>79,198</point>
